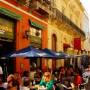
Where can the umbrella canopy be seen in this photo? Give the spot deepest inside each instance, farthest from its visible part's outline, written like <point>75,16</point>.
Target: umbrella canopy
<point>76,56</point>
<point>50,52</point>
<point>30,52</point>
<point>58,55</point>
<point>62,55</point>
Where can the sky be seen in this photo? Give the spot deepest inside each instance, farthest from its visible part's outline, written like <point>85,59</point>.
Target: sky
<point>86,4</point>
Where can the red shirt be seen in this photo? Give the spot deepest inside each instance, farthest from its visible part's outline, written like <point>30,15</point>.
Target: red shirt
<point>78,80</point>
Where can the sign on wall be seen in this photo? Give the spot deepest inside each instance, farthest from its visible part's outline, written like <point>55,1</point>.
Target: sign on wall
<point>6,30</point>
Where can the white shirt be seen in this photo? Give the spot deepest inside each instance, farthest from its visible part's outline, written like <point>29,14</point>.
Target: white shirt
<point>24,88</point>
<point>1,71</point>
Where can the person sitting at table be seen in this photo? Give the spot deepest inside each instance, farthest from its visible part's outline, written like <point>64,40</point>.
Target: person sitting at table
<point>37,75</point>
<point>25,84</point>
<point>13,85</point>
<point>47,82</point>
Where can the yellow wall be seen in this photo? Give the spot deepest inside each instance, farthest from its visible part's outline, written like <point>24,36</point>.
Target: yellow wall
<point>72,9</point>
<point>64,34</point>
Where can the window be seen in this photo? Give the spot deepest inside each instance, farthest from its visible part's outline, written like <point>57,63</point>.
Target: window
<point>35,32</point>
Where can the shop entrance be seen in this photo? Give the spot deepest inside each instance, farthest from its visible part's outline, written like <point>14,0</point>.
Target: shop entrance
<point>8,63</point>
<point>7,44</point>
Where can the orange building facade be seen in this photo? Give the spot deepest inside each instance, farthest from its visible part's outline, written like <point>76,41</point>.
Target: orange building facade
<point>16,32</point>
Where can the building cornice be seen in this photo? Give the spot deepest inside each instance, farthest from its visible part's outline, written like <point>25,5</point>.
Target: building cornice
<point>80,5</point>
<point>19,9</point>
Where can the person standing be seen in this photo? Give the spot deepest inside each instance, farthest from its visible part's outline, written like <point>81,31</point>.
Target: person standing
<point>1,72</point>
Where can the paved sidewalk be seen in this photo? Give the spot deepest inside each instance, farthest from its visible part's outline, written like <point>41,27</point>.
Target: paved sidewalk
<point>88,86</point>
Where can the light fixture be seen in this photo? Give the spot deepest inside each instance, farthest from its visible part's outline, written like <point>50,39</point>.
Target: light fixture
<point>27,34</point>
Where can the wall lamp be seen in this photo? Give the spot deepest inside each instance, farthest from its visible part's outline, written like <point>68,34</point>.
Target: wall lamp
<point>27,34</point>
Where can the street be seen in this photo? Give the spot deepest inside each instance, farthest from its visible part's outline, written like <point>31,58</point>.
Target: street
<point>88,86</point>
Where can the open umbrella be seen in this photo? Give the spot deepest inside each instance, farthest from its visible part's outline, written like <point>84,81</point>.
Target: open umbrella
<point>57,55</point>
<point>54,54</point>
<point>62,55</point>
<point>30,52</point>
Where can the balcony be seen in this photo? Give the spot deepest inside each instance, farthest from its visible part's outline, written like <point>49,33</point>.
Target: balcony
<point>61,17</point>
<point>43,8</point>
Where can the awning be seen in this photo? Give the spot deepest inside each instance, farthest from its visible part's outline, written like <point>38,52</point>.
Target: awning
<point>9,13</point>
<point>56,55</point>
<point>30,52</point>
<point>37,25</point>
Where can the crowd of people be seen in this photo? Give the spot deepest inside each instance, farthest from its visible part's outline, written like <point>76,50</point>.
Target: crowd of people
<point>63,78</point>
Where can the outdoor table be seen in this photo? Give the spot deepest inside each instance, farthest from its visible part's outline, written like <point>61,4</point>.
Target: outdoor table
<point>37,87</point>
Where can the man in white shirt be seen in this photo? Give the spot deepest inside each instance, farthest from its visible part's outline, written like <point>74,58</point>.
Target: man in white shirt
<point>1,72</point>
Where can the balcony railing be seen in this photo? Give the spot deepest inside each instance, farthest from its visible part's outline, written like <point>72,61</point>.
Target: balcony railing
<point>41,7</point>
<point>60,16</point>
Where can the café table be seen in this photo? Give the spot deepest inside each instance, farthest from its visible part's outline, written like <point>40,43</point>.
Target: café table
<point>37,87</point>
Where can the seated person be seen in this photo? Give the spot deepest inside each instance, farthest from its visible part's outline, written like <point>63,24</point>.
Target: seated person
<point>26,84</point>
<point>46,81</point>
<point>37,76</point>
<point>13,85</point>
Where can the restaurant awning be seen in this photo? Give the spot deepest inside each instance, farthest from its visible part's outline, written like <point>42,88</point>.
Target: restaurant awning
<point>10,13</point>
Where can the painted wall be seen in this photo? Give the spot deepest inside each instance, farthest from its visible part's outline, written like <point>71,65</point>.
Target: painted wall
<point>65,34</point>
<point>22,25</point>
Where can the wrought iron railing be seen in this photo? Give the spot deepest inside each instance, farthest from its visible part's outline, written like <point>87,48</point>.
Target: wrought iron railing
<point>60,16</point>
<point>50,9</point>
<point>36,5</point>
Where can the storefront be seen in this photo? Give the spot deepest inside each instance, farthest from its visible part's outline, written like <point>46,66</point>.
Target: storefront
<point>17,24</point>
<point>7,42</point>
<point>8,21</point>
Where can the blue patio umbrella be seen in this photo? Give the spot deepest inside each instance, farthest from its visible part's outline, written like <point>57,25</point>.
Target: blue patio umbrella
<point>62,55</point>
<point>53,53</point>
<point>30,52</point>
<point>57,55</point>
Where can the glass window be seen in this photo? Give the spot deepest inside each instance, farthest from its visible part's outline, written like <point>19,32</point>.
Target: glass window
<point>35,32</point>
